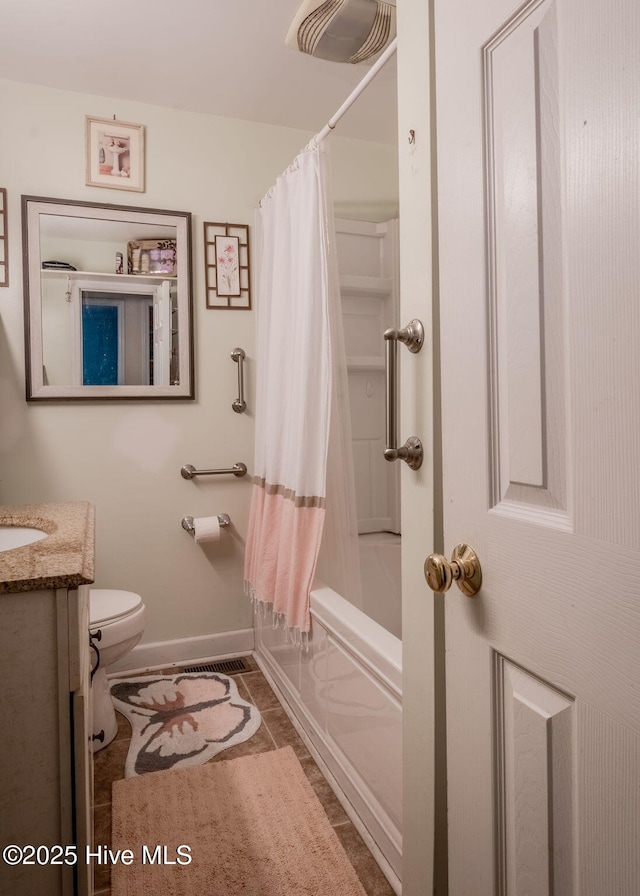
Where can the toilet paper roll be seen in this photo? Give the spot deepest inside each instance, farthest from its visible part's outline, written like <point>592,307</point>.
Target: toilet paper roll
<point>207,528</point>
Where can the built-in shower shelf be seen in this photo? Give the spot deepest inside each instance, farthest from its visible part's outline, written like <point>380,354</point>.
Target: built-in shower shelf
<point>365,286</point>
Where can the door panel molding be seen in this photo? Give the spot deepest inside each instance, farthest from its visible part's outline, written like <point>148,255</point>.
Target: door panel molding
<point>534,732</point>
<point>523,225</point>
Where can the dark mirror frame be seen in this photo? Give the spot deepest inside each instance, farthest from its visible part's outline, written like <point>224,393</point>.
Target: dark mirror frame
<point>36,388</point>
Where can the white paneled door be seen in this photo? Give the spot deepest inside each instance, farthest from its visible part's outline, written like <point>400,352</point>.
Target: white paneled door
<point>538,135</point>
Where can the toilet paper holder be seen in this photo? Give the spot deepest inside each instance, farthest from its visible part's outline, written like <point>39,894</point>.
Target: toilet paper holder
<point>188,525</point>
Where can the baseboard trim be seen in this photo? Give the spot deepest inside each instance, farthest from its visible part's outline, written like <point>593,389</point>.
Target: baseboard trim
<point>203,648</point>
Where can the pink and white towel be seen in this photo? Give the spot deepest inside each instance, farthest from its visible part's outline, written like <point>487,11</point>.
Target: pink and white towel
<point>293,356</point>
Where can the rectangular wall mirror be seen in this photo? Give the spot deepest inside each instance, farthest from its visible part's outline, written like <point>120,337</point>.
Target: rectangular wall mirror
<point>108,307</point>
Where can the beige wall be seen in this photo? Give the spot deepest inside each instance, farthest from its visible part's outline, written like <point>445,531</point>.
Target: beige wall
<point>125,457</point>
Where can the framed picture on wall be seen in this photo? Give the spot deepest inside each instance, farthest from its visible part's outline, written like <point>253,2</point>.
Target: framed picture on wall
<point>226,261</point>
<point>114,154</point>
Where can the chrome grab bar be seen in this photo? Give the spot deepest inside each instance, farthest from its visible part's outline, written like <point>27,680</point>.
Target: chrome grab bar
<point>413,337</point>
<point>189,471</point>
<point>239,405</point>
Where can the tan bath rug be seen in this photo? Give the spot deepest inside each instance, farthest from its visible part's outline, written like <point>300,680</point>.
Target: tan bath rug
<point>242,827</point>
<point>181,720</point>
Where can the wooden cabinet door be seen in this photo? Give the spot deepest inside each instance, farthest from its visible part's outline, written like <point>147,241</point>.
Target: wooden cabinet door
<point>80,659</point>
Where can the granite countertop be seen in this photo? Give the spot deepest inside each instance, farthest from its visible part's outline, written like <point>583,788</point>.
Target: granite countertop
<point>64,559</point>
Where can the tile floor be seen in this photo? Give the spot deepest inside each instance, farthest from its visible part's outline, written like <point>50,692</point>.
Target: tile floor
<point>276,731</point>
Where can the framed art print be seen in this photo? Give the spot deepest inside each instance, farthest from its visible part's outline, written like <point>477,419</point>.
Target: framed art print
<point>114,154</point>
<point>226,260</point>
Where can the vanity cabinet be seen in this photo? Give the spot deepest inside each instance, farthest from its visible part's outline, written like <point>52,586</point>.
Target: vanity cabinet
<point>46,771</point>
<point>46,758</point>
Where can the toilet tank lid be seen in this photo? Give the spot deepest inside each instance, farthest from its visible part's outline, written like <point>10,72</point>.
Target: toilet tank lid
<point>106,604</point>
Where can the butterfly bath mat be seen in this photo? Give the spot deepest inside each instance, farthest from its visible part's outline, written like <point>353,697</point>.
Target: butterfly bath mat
<point>181,720</point>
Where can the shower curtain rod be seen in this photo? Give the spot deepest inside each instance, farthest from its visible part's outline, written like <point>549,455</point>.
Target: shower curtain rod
<point>373,71</point>
<point>353,96</point>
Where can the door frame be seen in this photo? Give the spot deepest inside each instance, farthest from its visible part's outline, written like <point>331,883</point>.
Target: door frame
<point>422,617</point>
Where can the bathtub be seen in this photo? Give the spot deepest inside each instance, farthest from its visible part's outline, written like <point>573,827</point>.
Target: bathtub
<point>344,696</point>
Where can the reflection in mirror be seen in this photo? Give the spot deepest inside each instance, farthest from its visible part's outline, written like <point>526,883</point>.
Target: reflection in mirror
<point>107,301</point>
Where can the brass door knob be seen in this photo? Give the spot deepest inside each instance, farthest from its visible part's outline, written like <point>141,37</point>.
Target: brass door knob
<point>463,568</point>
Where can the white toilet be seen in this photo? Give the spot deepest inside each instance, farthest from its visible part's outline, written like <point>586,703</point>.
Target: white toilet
<point>116,624</point>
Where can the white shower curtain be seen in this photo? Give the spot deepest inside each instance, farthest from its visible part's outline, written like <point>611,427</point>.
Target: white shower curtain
<point>303,477</point>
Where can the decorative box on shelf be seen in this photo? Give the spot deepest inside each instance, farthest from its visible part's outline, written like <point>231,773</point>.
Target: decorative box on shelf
<point>152,257</point>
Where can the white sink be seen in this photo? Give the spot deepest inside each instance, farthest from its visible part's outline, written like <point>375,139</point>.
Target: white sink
<point>17,536</point>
